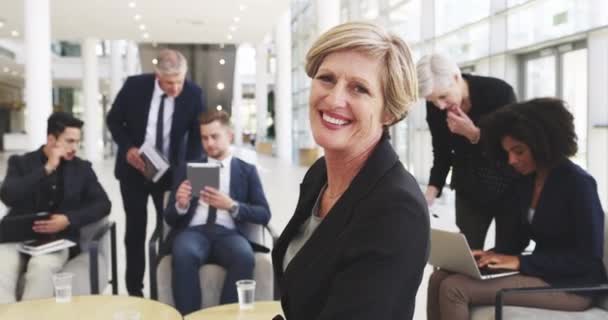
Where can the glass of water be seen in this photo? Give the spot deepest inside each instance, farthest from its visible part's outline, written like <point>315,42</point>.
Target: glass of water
<point>246,292</point>
<point>63,286</point>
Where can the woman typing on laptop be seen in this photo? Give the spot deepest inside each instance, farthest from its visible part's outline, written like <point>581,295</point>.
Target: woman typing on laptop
<point>555,204</point>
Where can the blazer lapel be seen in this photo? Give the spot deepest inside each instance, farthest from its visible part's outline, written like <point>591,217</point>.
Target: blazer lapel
<point>236,178</point>
<point>381,160</point>
<point>148,101</point>
<point>309,189</point>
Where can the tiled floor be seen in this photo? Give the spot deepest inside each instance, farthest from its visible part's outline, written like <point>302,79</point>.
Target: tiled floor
<point>281,183</point>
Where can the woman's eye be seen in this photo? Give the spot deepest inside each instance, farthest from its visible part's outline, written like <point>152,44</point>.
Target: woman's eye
<point>361,89</point>
<point>325,78</point>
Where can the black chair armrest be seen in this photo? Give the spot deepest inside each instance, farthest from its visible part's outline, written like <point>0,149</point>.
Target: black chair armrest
<point>153,248</point>
<point>93,250</point>
<point>501,294</point>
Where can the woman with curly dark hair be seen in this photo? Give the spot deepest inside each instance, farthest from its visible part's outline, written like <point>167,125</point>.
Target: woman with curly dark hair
<point>555,204</point>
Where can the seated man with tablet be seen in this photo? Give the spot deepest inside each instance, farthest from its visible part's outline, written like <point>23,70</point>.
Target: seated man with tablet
<point>207,210</point>
<point>50,180</point>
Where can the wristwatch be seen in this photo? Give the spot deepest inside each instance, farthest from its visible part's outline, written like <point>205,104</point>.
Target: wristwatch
<point>234,210</point>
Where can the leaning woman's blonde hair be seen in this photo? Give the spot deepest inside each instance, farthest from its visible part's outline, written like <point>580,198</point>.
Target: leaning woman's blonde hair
<point>398,74</point>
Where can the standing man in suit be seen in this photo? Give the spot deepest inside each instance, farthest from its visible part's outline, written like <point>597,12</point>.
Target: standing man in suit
<point>160,109</point>
<point>207,226</point>
<point>51,179</point>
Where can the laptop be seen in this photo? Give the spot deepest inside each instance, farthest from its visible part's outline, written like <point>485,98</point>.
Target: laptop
<point>450,251</point>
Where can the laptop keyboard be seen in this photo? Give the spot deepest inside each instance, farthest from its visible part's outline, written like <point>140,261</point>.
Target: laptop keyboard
<point>488,271</point>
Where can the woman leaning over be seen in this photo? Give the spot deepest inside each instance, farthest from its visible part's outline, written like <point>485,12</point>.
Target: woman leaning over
<point>557,206</point>
<point>455,104</point>
<point>357,243</point>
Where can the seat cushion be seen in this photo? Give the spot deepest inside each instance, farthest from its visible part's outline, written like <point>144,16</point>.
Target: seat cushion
<point>521,313</point>
<point>212,281</point>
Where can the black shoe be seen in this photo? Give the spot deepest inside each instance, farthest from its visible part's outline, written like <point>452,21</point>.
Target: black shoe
<point>136,293</point>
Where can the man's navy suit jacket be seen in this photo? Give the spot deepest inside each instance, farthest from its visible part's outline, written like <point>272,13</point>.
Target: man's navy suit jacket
<point>128,119</point>
<point>245,188</point>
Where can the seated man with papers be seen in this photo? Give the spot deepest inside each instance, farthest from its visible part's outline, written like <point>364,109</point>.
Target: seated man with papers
<point>206,224</point>
<point>51,180</point>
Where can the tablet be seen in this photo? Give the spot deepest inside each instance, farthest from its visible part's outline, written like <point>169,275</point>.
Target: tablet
<point>203,175</point>
<point>18,227</point>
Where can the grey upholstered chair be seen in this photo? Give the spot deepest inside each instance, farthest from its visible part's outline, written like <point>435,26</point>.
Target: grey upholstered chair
<point>95,262</point>
<point>598,311</point>
<point>211,275</point>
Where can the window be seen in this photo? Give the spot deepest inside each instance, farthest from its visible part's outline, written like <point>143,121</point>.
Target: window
<point>561,72</point>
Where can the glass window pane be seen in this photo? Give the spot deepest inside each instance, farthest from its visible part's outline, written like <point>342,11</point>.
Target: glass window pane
<point>574,84</point>
<point>451,14</point>
<point>546,19</point>
<point>368,9</point>
<point>405,20</point>
<point>540,78</point>
<point>467,44</point>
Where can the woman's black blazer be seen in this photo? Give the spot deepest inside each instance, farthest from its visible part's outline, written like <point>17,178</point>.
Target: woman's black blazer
<point>366,259</point>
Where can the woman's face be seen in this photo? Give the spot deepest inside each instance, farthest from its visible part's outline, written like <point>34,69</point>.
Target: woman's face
<point>519,155</point>
<point>448,98</point>
<point>346,102</point>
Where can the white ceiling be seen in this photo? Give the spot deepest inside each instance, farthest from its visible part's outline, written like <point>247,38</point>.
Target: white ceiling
<point>169,21</point>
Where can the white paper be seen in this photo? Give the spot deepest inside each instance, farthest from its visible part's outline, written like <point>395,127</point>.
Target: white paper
<point>56,246</point>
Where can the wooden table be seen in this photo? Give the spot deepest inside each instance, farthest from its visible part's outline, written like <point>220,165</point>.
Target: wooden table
<point>262,310</point>
<point>97,307</point>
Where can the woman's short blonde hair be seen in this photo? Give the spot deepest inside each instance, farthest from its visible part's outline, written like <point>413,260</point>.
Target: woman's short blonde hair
<point>435,71</point>
<point>398,75</point>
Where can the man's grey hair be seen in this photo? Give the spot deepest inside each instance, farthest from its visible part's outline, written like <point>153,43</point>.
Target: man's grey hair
<point>435,71</point>
<point>171,62</point>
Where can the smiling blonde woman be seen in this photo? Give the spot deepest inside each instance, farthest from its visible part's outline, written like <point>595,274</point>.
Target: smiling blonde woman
<point>357,243</point>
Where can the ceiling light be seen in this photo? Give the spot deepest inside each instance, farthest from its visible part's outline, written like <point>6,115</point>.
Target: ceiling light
<point>237,19</point>
<point>222,61</point>
<point>233,28</point>
<point>142,27</point>
<point>221,46</point>
<point>132,4</point>
<point>219,107</point>
<point>137,17</point>
<point>154,45</point>
<point>6,69</point>
<point>146,35</point>
<point>15,33</point>
<point>242,7</point>
<point>229,37</point>
<point>14,73</point>
<point>154,61</point>
<point>1,23</point>
<point>220,86</point>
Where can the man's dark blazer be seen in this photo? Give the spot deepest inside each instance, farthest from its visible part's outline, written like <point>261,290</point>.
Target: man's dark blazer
<point>366,258</point>
<point>567,227</point>
<point>245,188</point>
<point>454,151</point>
<point>128,119</point>
<point>84,200</point>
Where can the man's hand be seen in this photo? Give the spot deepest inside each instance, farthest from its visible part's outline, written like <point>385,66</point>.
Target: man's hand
<point>54,158</point>
<point>135,160</point>
<point>460,123</point>
<point>56,223</point>
<point>183,195</point>
<point>495,260</point>
<point>431,194</point>
<point>215,198</point>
